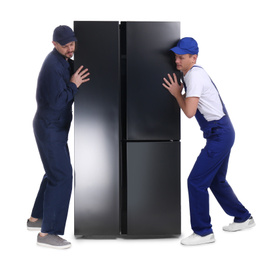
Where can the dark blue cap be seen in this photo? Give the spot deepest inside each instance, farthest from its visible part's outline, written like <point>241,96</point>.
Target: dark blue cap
<point>64,34</point>
<point>186,45</point>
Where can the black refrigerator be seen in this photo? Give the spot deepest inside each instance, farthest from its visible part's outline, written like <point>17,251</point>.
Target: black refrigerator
<point>127,131</point>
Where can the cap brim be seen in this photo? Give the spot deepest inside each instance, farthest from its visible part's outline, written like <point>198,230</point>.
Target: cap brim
<point>70,39</point>
<point>179,51</point>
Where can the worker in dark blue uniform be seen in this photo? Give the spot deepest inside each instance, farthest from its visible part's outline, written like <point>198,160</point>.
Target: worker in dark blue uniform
<point>56,88</point>
<point>202,100</point>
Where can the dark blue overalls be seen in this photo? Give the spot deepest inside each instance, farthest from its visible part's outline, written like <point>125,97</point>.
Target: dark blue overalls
<point>210,171</point>
<point>55,96</point>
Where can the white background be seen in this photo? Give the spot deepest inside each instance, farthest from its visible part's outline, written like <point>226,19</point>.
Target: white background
<point>235,43</point>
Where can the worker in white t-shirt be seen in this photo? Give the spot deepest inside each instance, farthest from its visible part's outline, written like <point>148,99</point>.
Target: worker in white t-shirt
<point>202,100</point>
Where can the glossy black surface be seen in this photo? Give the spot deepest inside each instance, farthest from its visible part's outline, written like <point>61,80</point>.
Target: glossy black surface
<point>153,188</point>
<point>127,168</point>
<point>148,112</point>
<point>97,130</point>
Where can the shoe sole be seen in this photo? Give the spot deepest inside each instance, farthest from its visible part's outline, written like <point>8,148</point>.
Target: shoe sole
<point>34,228</point>
<point>55,247</point>
<point>199,244</point>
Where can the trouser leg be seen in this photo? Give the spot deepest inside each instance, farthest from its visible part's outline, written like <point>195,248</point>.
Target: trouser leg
<point>37,211</point>
<point>199,181</point>
<point>56,187</point>
<point>58,190</point>
<point>226,197</point>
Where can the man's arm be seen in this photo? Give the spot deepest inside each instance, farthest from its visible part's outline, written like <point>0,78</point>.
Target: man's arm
<point>57,90</point>
<point>188,105</point>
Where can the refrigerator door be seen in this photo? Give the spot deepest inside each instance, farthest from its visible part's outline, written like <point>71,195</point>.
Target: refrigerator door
<point>97,130</point>
<point>153,189</point>
<point>149,112</point>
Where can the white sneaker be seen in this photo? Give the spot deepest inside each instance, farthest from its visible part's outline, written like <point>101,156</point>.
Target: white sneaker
<point>235,226</point>
<point>195,240</point>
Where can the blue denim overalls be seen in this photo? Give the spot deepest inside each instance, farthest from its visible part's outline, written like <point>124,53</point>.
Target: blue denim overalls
<point>210,171</point>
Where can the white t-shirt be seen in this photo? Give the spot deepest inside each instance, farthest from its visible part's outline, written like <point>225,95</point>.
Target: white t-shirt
<point>199,84</point>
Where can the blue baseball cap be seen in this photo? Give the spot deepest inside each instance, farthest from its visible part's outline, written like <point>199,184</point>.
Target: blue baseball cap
<point>63,34</point>
<point>186,45</point>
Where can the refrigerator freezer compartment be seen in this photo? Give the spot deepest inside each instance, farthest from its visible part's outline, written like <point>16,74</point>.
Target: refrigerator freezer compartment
<point>153,188</point>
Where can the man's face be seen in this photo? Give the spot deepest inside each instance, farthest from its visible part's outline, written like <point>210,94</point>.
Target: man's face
<point>66,50</point>
<point>185,62</point>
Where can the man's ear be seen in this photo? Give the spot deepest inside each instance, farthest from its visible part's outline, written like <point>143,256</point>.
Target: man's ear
<point>195,57</point>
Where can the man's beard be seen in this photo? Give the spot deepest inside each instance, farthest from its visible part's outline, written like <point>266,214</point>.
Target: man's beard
<point>69,55</point>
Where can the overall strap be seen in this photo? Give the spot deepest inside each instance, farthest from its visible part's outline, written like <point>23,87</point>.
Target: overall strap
<point>183,81</point>
<point>223,105</point>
